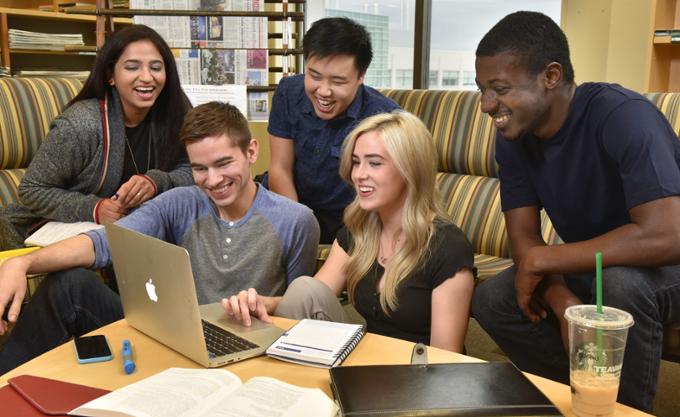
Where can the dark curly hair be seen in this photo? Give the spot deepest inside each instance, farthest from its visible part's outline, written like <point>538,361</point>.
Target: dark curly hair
<point>532,37</point>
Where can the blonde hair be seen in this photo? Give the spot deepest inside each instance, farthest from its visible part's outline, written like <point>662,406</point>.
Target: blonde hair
<point>411,147</point>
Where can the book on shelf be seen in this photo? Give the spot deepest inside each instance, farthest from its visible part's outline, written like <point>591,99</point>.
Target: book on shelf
<point>666,36</point>
<point>317,343</point>
<point>24,39</point>
<point>209,392</point>
<point>450,389</point>
<point>76,4</point>
<point>53,232</point>
<point>80,48</point>
<point>81,75</point>
<point>75,9</point>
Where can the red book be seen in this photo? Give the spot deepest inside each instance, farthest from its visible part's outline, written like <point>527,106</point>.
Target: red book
<point>29,396</point>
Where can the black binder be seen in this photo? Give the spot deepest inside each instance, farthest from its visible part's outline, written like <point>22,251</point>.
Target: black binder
<point>453,389</point>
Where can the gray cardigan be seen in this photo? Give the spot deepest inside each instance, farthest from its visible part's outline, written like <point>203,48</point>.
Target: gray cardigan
<point>76,166</point>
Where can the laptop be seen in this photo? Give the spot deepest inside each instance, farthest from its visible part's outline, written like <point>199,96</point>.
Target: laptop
<point>158,294</point>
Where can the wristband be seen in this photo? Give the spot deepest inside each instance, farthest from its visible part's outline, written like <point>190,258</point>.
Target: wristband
<point>153,184</point>
<point>95,212</point>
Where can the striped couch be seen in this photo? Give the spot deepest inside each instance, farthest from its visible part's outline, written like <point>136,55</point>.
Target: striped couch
<point>27,106</point>
<point>468,174</point>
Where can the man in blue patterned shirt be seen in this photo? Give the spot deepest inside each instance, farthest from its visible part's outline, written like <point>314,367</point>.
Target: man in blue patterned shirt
<point>311,115</point>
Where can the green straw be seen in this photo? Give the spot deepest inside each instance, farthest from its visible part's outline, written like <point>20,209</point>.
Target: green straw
<point>598,297</point>
<point>598,280</point>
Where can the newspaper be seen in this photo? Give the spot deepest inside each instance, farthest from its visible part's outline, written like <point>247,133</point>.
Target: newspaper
<point>232,94</point>
<point>216,50</point>
<point>23,39</point>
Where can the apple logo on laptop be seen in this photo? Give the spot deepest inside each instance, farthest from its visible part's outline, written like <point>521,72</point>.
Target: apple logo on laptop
<point>151,290</point>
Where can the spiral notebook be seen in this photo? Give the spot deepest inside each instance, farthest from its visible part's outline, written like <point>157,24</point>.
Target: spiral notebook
<point>317,343</point>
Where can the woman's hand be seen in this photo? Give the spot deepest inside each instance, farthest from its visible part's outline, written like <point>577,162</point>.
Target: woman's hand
<point>135,191</point>
<point>110,210</point>
<point>246,304</point>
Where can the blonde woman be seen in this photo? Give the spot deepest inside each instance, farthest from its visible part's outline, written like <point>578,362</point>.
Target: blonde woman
<point>407,269</point>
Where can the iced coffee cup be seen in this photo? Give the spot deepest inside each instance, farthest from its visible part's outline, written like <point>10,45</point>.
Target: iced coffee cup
<point>597,342</point>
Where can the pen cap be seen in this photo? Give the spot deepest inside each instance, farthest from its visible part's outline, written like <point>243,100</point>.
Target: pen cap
<point>128,363</point>
<point>129,366</point>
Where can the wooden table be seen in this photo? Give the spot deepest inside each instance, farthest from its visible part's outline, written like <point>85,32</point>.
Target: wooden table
<point>152,357</point>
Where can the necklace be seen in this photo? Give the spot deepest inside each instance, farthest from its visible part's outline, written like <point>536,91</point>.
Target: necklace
<point>132,155</point>
<point>382,258</point>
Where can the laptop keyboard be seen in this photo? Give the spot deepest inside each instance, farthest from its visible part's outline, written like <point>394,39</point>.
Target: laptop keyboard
<point>221,342</point>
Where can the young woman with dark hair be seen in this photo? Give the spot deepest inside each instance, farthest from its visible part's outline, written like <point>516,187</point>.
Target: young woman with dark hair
<point>114,147</point>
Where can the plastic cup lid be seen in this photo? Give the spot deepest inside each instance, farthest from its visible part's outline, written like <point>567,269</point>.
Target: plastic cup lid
<point>587,315</point>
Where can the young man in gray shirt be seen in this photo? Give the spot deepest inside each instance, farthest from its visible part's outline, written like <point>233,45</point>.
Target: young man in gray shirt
<point>238,234</point>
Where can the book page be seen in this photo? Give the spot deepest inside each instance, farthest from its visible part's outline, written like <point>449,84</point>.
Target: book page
<point>53,232</point>
<point>262,396</point>
<point>174,392</point>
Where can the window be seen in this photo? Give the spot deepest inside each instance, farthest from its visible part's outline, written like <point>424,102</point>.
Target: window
<point>459,25</point>
<point>404,78</point>
<point>469,79</point>
<point>390,23</point>
<point>434,79</point>
<point>450,78</point>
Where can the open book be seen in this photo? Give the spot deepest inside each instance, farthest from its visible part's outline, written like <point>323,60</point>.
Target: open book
<point>53,232</point>
<point>317,343</point>
<point>211,393</point>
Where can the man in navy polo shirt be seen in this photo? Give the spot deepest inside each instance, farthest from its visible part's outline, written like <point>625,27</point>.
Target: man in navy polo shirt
<point>604,163</point>
<point>311,115</point>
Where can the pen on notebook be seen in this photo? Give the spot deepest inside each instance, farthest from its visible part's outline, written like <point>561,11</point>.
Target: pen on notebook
<point>128,363</point>
<point>306,347</point>
<point>289,349</point>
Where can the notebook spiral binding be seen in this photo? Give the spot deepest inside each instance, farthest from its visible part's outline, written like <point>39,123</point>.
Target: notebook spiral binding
<point>349,346</point>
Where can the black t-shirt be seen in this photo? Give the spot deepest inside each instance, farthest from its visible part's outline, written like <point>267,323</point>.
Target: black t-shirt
<point>449,252</point>
<point>138,141</point>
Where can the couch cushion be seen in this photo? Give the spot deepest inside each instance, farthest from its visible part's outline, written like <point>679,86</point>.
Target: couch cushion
<point>474,204</point>
<point>27,106</point>
<point>465,138</point>
<point>669,104</point>
<point>463,135</point>
<point>489,266</point>
<point>9,184</point>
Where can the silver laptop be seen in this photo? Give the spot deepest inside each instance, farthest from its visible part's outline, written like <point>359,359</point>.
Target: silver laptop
<point>158,294</point>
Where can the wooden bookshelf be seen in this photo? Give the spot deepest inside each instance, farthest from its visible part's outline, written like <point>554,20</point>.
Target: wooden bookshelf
<point>614,41</point>
<point>664,65</point>
<point>48,22</point>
